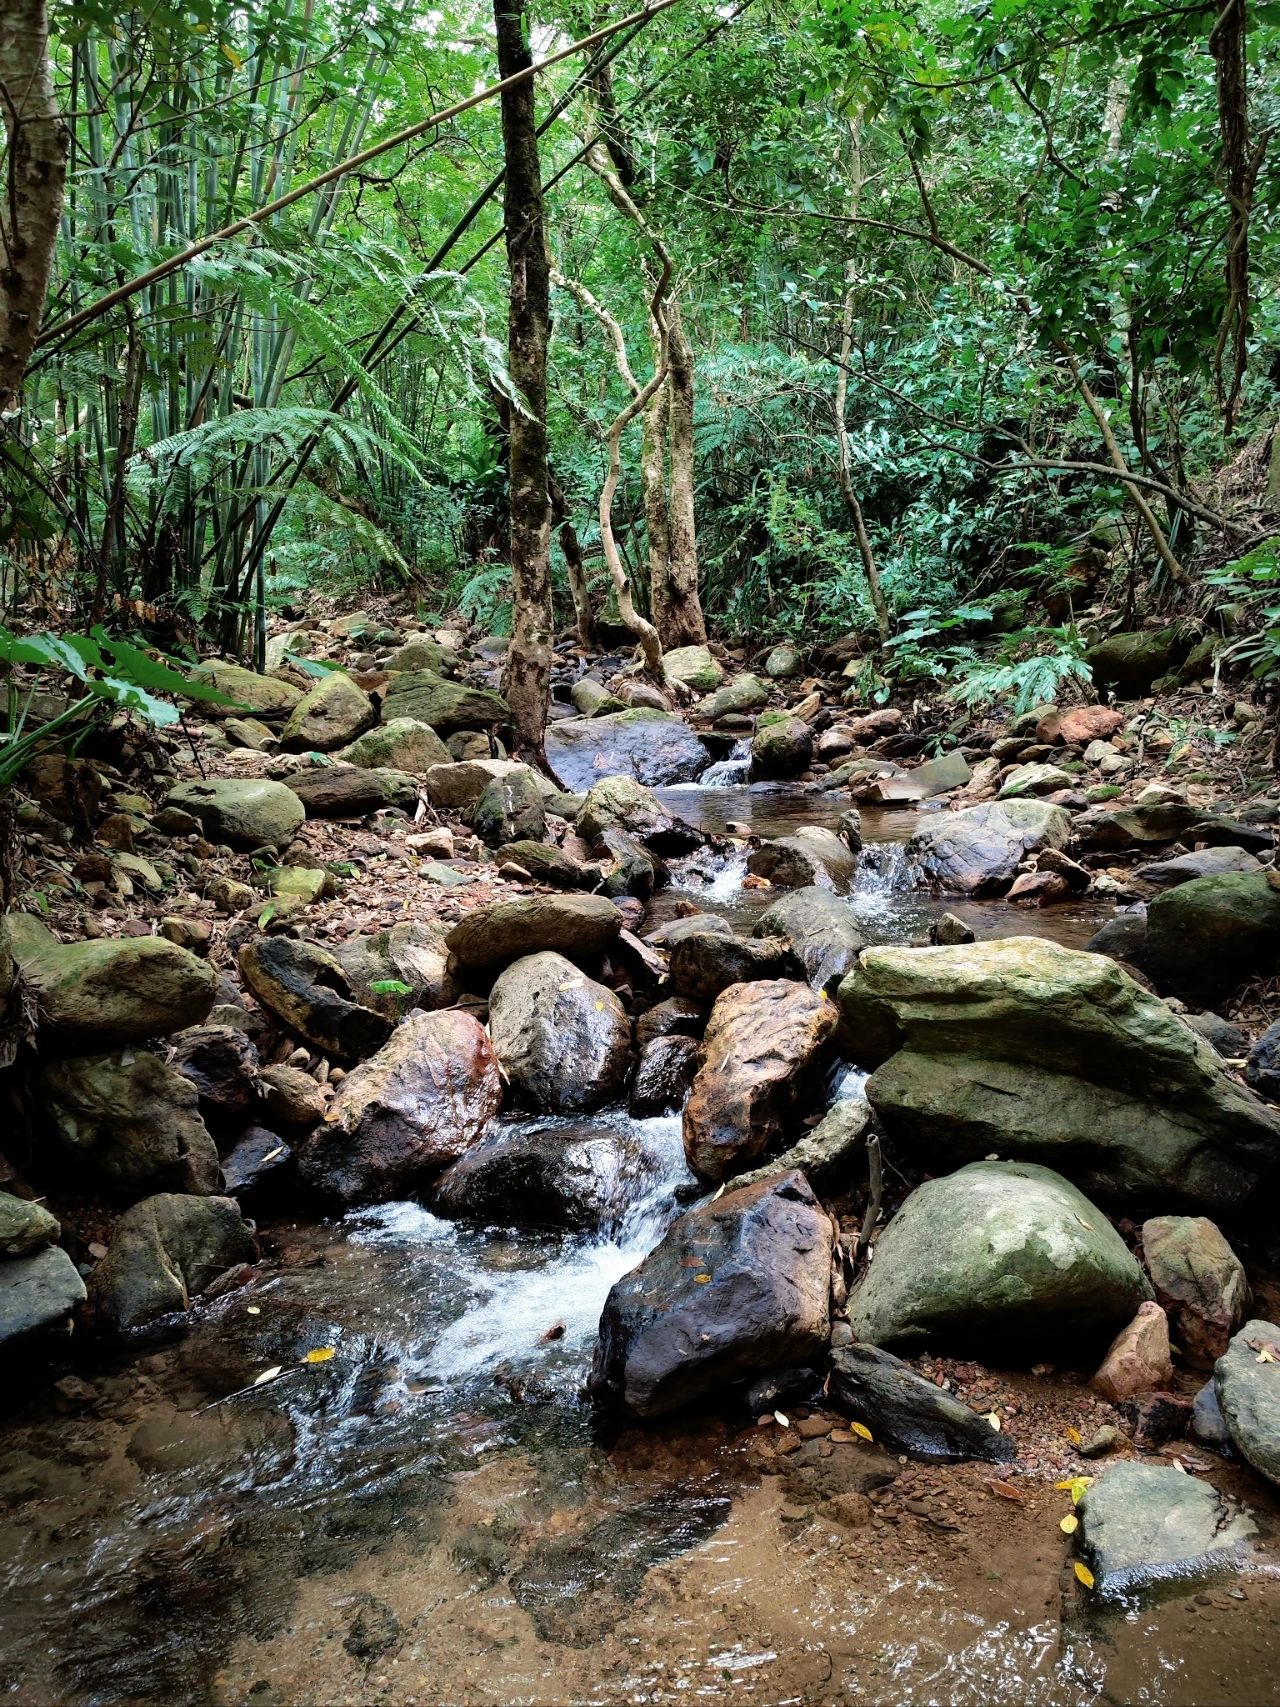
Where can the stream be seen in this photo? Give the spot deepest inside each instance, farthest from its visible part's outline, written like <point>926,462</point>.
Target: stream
<point>433,1515</point>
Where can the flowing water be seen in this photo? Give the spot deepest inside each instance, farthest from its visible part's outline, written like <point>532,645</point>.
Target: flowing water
<point>433,1514</point>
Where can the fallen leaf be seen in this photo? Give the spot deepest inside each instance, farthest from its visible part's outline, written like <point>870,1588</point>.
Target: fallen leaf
<point>1075,1487</point>
<point>252,1310</point>
<point>267,1375</point>
<point>862,1431</point>
<point>1069,1524</point>
<point>702,1280</point>
<point>320,1354</point>
<point>1007,1491</point>
<point>782,1421</point>
<point>1083,1574</point>
<point>993,1417</point>
<point>1074,1436</point>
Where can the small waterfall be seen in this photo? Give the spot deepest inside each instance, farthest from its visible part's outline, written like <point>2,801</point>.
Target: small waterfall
<point>883,877</point>
<point>726,772</point>
<point>712,876</point>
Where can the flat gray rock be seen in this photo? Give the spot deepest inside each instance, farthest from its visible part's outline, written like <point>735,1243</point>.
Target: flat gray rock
<point>1247,1381</point>
<point>37,1293</point>
<point>1149,1523</point>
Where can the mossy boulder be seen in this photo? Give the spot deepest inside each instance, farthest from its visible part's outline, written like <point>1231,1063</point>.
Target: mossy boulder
<point>693,667</point>
<point>266,697</point>
<point>334,712</point>
<point>402,744</point>
<point>243,812</point>
<point>442,704</point>
<point>1130,663</point>
<point>1206,936</point>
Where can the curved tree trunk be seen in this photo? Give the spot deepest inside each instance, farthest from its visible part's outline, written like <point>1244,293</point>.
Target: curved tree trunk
<point>653,484</point>
<point>35,176</point>
<point>681,621</point>
<point>571,546</point>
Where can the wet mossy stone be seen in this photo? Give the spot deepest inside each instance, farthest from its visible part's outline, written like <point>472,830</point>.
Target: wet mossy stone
<point>266,697</point>
<point>693,667</point>
<point>402,744</point>
<point>243,812</point>
<point>444,705</point>
<point>1206,936</point>
<point>329,715</point>
<point>1247,1381</point>
<point>38,1293</point>
<point>1145,1524</point>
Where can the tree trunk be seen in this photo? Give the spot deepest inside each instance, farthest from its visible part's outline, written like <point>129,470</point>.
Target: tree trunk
<point>680,621</point>
<point>527,679</point>
<point>653,484</point>
<point>571,546</point>
<point>36,171</point>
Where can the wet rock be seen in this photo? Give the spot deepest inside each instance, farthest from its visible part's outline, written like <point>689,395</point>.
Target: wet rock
<point>832,1157</point>
<point>1247,1382</point>
<point>1205,937</point>
<point>1128,664</point>
<point>562,1040</point>
<point>510,809</point>
<point>37,1295</point>
<point>908,1413</point>
<point>1262,1068</point>
<point>947,931</point>
<point>664,1073</point>
<point>655,747</point>
<point>243,812</point>
<point>332,713</point>
<point>781,748</point>
<point>556,1177</point>
<point>1033,779</point>
<point>1023,1048</point>
<point>676,1330</point>
<point>258,1168</point>
<point>24,1227</point>
<point>307,990</point>
<point>1123,938</point>
<point>264,696</point>
<point>1139,1358</point>
<point>977,851</point>
<point>766,1045</point>
<point>222,1063</point>
<point>1079,726</point>
<point>163,1253</point>
<point>742,695</point>
<point>1208,1425</point>
<point>1225,1039</point>
<point>622,803</point>
<point>1232,832</point>
<point>402,744</point>
<point>1142,1524</point>
<point>820,931</point>
<point>352,791</point>
<point>411,955</point>
<point>1122,828</point>
<point>248,1446</point>
<point>998,1256</point>
<point>129,1122</point>
<point>1204,862</point>
<point>292,1098</point>
<point>812,857</point>
<point>677,1016</point>
<point>703,964</point>
<point>1199,1280</point>
<point>443,705</point>
<point>934,776</point>
<point>692,667</point>
<point>576,925</point>
<point>421,1102</point>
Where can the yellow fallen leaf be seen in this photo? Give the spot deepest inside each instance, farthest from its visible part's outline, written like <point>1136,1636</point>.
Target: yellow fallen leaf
<point>1069,1524</point>
<point>993,1417</point>
<point>319,1354</point>
<point>781,1420</point>
<point>1075,1487</point>
<point>1266,1355</point>
<point>1083,1574</point>
<point>252,1310</point>
<point>1074,1436</point>
<point>702,1280</point>
<point>861,1430</point>
<point>267,1375</point>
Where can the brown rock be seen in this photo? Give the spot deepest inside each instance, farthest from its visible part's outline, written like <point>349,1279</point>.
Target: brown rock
<point>1079,726</point>
<point>1199,1280</point>
<point>1139,1359</point>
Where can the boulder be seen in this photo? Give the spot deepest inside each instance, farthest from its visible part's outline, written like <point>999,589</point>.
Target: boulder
<point>244,812</point>
<point>1146,1524</point>
<point>934,776</point>
<point>410,956</point>
<point>402,1116</point>
<point>1000,1256</point>
<point>1262,1068</point>
<point>781,748</point>
<point>458,786</point>
<point>402,744</point>
<point>1199,1280</point>
<point>766,1046</point>
<point>510,809</point>
<point>1122,828</point>
<point>221,1062</point>
<point>692,667</point>
<point>810,858</point>
<point>1026,1049</point>
<point>820,931</point>
<point>1204,862</point>
<point>352,791</point>
<point>705,963</point>
<point>978,851</point>
<point>37,1296</point>
<point>109,992</point>
<point>1079,726</point>
<point>130,1123</point>
<point>832,1157</point>
<point>419,652</point>
<point>333,712</point>
<point>1139,1358</point>
<point>306,989</point>
<point>266,697</point>
<point>549,865</point>
<point>560,1177</point>
<point>258,1168</point>
<point>1128,664</point>
<point>443,705</point>
<point>581,926</point>
<point>292,1098</point>
<point>25,1227</point>
<point>593,699</point>
<point>908,1414</point>
<point>622,803</point>
<point>783,662</point>
<point>1206,936</point>
<point>1246,1379</point>
<point>737,1287</point>
<point>677,1016</point>
<point>1034,779</point>
<point>561,1039</point>
<point>163,1253</point>
<point>744,694</point>
<point>664,1073</point>
<point>655,747</point>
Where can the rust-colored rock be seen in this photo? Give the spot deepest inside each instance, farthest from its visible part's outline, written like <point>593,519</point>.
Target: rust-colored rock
<point>1079,726</point>
<point>1199,1280</point>
<point>1139,1359</point>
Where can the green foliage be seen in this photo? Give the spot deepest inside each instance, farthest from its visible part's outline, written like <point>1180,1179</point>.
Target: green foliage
<point>1254,580</point>
<point>1051,659</point>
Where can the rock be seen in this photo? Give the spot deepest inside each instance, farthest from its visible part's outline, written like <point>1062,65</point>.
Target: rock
<point>402,744</point>
<point>1247,1381</point>
<point>1033,779</point>
<point>1223,1038</point>
<point>258,1167</point>
<point>334,712</point>
<point>302,885</point>
<point>307,990</point>
<point>1204,862</point>
<point>934,776</point>
<point>820,931</point>
<point>222,1063</point>
<point>832,1157</point>
<point>562,1040</point>
<point>352,791</point>
<point>37,1295</point>
<point>1139,1358</point>
<point>810,858</point>
<point>1130,663</point>
<point>420,1103</point>
<point>783,662</point>
<point>244,812</point>
<point>410,955</point>
<point>678,1016</point>
<point>1122,938</point>
<point>593,699</point>
<point>737,698</point>
<point>1208,1425</point>
<point>1229,832</point>
<point>24,1227</point>
<point>676,1330</point>
<point>1206,936</point>
<point>443,705</point>
<point>458,787</point>
<point>544,864</point>
<point>909,1414</point>
<point>664,1074</point>
<point>692,667</point>
<point>1145,1524</point>
<point>264,696</point>
<point>781,748</point>
<point>1079,726</point>
<point>106,993</point>
<point>1262,1068</point>
<point>655,747</point>
<point>703,964</point>
<point>622,803</point>
<point>510,809</point>
<point>998,1256</point>
<point>1027,1049</point>
<point>163,1253</point>
<point>291,1097</point>
<point>947,931</point>
<point>630,869</point>
<point>419,652</point>
<point>766,1044</point>
<point>1199,1280</point>
<point>978,851</point>
<point>576,925</point>
<point>374,1630</point>
<point>1126,827</point>
<point>129,1122</point>
<point>557,1177</point>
